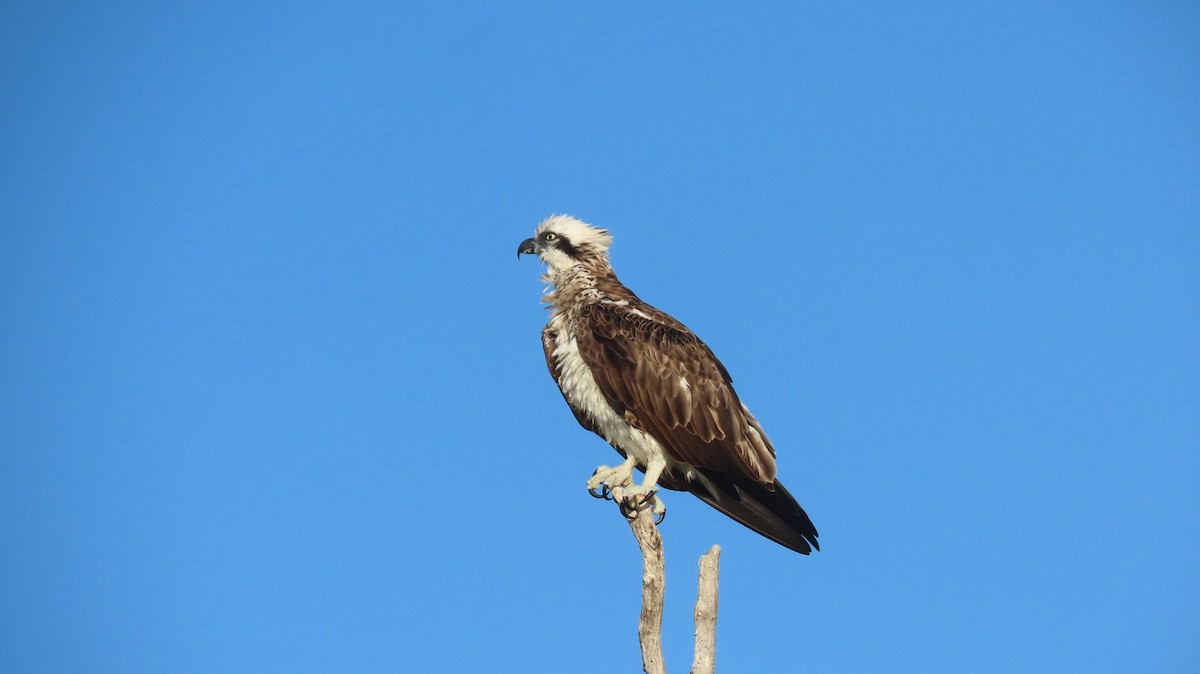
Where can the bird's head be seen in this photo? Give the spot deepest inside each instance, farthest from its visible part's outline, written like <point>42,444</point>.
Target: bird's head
<point>564,242</point>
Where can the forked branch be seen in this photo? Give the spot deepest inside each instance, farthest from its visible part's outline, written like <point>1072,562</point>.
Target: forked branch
<point>653,594</point>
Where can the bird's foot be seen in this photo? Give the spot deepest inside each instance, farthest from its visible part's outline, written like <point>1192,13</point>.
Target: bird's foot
<point>605,479</point>
<point>635,498</point>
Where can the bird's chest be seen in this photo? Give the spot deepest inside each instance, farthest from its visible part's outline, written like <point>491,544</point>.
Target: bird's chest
<point>575,377</point>
<point>584,394</point>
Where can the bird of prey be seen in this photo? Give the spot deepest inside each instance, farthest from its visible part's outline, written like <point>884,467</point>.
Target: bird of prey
<point>638,378</point>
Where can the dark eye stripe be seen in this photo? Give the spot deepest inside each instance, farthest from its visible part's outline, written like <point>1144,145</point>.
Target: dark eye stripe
<point>563,244</point>
<point>560,242</point>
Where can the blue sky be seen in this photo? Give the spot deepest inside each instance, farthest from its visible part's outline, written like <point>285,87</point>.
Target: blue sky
<point>273,398</point>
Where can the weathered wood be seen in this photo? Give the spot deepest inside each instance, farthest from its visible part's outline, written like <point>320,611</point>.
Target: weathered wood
<point>706,612</point>
<point>653,589</point>
<point>649,541</point>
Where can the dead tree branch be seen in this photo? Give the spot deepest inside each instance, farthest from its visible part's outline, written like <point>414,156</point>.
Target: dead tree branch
<point>706,612</point>
<point>654,592</point>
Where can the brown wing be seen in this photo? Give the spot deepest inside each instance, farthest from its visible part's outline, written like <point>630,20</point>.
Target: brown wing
<point>672,386</point>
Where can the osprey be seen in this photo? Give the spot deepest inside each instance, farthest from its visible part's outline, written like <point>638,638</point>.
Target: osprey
<point>638,378</point>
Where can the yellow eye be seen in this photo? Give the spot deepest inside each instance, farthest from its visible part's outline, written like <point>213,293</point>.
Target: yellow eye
<point>549,236</point>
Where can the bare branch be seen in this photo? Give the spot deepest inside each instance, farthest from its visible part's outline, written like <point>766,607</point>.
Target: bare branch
<point>653,590</point>
<point>706,612</point>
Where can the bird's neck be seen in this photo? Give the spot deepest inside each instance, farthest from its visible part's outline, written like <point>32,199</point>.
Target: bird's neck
<point>579,285</point>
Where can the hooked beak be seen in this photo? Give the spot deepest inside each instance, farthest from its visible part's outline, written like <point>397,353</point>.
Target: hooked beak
<point>529,246</point>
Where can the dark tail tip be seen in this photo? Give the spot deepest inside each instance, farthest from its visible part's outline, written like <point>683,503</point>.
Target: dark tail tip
<point>770,510</point>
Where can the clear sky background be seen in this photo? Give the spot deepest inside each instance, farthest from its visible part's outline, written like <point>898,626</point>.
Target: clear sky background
<point>273,398</point>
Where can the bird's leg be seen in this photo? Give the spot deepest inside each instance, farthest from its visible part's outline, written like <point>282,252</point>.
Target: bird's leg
<point>606,479</point>
<point>633,498</point>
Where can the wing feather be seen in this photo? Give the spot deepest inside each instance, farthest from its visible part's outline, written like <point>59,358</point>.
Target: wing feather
<point>674,388</point>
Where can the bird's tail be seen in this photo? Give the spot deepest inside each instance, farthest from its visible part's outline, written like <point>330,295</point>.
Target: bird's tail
<point>767,509</point>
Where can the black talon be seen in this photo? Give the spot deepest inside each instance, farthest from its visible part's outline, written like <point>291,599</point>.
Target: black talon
<point>605,492</point>
<point>627,512</point>
<point>630,508</point>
